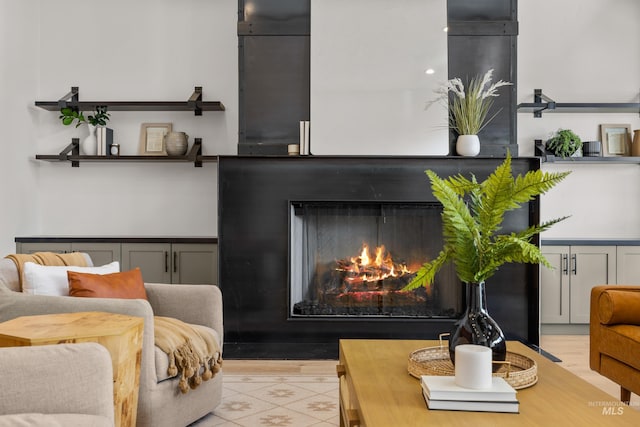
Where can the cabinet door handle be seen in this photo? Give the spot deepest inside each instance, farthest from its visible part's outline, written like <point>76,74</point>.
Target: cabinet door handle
<point>175,262</point>
<point>574,260</point>
<point>565,264</point>
<point>166,261</point>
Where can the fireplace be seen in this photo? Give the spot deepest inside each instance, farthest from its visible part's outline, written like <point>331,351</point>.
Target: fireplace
<point>354,259</point>
<point>293,232</point>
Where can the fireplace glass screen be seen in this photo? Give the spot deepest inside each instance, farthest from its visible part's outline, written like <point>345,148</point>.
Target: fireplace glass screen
<point>354,259</point>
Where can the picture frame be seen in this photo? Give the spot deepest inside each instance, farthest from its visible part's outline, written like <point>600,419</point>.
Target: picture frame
<point>615,139</point>
<point>152,138</point>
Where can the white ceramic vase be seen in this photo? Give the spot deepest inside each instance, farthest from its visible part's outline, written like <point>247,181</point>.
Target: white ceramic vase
<point>89,145</point>
<point>468,145</point>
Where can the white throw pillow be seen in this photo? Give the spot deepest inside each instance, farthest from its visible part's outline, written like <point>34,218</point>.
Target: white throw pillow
<point>52,279</point>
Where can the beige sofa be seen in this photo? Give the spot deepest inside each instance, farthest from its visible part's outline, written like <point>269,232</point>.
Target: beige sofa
<point>160,402</point>
<point>68,385</point>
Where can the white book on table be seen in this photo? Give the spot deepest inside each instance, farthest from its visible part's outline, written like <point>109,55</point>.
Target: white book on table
<point>445,388</point>
<point>471,405</point>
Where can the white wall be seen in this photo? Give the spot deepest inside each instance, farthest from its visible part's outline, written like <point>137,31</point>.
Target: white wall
<point>143,50</point>
<point>18,77</point>
<point>576,50</point>
<point>582,51</point>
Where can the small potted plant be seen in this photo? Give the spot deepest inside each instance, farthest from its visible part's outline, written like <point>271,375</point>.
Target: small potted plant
<point>99,118</point>
<point>469,108</point>
<point>564,143</point>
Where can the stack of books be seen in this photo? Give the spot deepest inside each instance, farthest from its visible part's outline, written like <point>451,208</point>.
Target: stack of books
<point>441,392</point>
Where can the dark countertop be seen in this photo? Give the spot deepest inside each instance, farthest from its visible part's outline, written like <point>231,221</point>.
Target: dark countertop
<point>115,239</point>
<point>591,242</point>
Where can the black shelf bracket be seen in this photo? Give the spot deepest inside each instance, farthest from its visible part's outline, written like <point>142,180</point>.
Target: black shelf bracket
<point>72,149</point>
<point>195,154</point>
<point>538,98</point>
<point>195,100</point>
<point>72,96</point>
<point>540,150</point>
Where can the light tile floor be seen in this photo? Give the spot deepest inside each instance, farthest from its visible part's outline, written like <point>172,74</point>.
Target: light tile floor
<point>278,401</point>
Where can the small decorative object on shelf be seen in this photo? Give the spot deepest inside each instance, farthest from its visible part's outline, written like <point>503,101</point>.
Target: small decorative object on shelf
<point>469,108</point>
<point>635,148</point>
<point>616,139</point>
<point>468,145</point>
<point>591,148</point>
<point>152,138</point>
<point>176,143</point>
<point>471,219</point>
<point>564,143</point>
<point>89,146</point>
<point>115,150</point>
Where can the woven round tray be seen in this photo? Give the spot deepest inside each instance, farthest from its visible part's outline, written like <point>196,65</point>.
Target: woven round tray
<point>519,371</point>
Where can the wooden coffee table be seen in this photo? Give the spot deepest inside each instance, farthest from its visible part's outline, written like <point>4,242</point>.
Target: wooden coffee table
<point>377,390</point>
<point>121,335</point>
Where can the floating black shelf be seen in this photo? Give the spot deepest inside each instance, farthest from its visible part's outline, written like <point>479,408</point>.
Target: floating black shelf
<point>194,103</point>
<point>71,153</point>
<point>547,157</point>
<point>542,103</point>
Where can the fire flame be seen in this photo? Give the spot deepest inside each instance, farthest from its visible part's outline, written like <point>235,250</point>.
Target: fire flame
<point>365,268</point>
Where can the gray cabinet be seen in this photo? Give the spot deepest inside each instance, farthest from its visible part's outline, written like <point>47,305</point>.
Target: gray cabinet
<point>160,261</point>
<point>180,263</point>
<point>565,290</point>
<point>152,258</point>
<point>554,286</point>
<point>628,265</point>
<point>194,263</point>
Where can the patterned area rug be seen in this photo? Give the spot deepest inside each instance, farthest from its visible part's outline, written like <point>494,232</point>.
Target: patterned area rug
<point>278,401</point>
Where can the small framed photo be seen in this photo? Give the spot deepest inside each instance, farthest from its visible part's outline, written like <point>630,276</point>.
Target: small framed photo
<point>616,140</point>
<point>152,138</point>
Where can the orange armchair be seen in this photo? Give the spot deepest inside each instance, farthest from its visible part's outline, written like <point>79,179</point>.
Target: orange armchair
<point>614,336</point>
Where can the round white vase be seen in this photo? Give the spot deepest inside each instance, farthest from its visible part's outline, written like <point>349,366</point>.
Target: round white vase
<point>89,145</point>
<point>176,143</point>
<point>468,145</point>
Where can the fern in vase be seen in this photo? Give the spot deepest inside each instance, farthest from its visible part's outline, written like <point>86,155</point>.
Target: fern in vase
<point>472,218</point>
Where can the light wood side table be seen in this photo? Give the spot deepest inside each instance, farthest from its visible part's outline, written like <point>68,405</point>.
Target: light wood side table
<point>120,334</point>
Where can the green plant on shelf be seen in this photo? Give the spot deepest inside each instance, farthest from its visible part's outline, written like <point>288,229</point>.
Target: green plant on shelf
<point>99,118</point>
<point>564,143</point>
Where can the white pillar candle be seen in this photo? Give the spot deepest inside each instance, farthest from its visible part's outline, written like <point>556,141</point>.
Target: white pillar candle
<point>473,366</point>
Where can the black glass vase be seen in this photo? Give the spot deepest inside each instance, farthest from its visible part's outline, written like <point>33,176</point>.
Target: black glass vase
<point>477,327</point>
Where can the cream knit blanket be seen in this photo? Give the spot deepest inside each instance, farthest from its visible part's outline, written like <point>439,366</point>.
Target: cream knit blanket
<point>192,350</point>
<point>47,258</point>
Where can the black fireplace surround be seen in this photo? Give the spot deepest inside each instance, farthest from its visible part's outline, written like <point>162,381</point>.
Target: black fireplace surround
<point>255,199</point>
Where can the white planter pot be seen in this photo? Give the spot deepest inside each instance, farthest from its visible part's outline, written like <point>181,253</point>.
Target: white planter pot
<point>468,145</point>
<point>89,146</point>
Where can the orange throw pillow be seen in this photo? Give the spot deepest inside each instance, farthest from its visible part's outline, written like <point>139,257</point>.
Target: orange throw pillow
<point>127,284</point>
